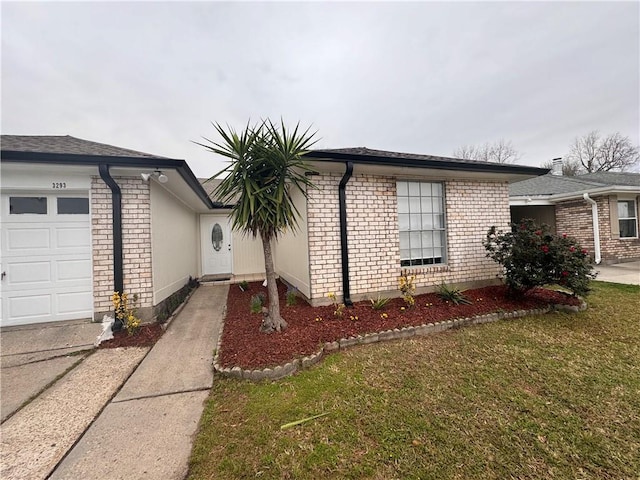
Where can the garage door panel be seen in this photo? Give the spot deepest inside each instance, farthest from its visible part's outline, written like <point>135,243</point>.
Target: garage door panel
<point>73,270</point>
<point>28,272</point>
<point>29,307</point>
<point>73,237</point>
<point>77,303</point>
<point>21,239</point>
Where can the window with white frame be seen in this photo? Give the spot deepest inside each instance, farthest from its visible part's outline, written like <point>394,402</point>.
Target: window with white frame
<point>421,222</point>
<point>628,219</point>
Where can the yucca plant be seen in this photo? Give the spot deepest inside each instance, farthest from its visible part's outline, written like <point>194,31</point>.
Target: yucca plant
<point>453,295</point>
<point>266,164</point>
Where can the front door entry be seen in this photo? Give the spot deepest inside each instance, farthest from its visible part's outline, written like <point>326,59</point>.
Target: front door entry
<point>215,245</point>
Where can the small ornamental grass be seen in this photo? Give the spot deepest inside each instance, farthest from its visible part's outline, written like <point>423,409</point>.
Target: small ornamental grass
<point>379,303</point>
<point>532,256</point>
<point>257,302</point>
<point>453,295</point>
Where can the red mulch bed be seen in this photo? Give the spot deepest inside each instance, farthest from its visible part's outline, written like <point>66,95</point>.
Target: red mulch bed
<point>244,346</point>
<point>146,336</point>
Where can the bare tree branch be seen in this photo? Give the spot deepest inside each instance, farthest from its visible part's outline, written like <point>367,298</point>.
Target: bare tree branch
<point>498,152</point>
<point>596,154</point>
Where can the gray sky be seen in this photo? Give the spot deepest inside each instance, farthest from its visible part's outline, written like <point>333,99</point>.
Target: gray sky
<point>409,77</point>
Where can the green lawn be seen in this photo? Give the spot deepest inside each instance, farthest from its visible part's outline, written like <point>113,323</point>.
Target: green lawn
<point>553,396</point>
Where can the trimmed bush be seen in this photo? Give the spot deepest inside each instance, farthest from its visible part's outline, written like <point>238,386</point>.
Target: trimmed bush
<point>532,256</point>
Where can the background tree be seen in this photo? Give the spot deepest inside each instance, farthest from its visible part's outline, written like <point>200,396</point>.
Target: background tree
<point>602,154</point>
<point>498,152</point>
<point>265,165</point>
<point>570,168</point>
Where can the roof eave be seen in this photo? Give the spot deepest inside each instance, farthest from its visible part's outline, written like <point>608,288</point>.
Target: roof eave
<point>487,167</point>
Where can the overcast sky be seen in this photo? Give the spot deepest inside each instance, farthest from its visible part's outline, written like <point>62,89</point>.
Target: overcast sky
<point>408,77</point>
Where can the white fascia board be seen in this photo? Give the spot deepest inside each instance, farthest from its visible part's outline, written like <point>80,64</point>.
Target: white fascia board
<point>608,190</point>
<point>529,201</point>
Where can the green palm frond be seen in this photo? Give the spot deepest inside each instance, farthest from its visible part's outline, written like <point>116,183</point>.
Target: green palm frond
<point>265,163</point>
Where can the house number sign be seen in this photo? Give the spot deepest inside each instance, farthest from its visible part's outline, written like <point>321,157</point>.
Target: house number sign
<point>58,185</point>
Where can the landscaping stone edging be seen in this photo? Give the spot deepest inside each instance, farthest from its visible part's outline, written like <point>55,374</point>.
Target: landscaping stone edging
<point>281,371</point>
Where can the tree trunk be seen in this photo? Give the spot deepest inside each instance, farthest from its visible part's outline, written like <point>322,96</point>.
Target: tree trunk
<point>272,321</point>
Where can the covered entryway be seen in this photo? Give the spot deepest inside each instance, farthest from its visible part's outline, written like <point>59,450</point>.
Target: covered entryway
<point>46,257</point>
<point>215,245</point>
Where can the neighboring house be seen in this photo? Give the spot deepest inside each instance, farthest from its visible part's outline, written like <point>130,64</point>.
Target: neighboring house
<point>605,203</point>
<point>57,248</point>
<point>371,215</point>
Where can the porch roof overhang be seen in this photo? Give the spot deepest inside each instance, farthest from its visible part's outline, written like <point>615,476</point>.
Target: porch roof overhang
<point>182,182</point>
<point>531,200</point>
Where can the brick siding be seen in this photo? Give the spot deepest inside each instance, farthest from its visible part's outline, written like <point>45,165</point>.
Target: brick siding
<point>373,237</point>
<point>136,242</point>
<point>574,218</point>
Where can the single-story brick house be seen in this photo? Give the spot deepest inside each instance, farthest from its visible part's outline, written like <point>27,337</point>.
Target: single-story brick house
<point>599,209</point>
<point>81,219</point>
<point>374,213</point>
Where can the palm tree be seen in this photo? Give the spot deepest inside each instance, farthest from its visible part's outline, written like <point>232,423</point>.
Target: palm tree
<point>265,164</point>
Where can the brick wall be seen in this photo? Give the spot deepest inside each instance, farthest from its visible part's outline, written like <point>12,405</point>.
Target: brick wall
<point>574,218</point>
<point>373,237</point>
<point>136,241</point>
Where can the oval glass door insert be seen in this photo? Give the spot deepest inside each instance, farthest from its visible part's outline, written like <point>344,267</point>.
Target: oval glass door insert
<point>216,237</point>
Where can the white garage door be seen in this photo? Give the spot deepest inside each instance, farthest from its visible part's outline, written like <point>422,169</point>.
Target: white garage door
<point>46,258</point>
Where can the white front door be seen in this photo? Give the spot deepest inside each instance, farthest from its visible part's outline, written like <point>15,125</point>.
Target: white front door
<point>215,245</point>
<point>46,258</point>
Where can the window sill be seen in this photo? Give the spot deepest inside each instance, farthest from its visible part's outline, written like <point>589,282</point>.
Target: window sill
<point>421,269</point>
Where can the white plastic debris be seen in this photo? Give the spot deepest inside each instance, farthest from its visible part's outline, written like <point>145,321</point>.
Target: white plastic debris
<point>264,284</point>
<point>106,334</point>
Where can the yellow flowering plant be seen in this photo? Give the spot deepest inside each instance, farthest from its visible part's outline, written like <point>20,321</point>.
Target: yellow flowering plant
<point>339,307</point>
<point>125,313</point>
<point>407,288</point>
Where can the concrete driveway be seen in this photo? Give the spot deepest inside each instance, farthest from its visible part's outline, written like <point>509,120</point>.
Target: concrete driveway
<point>619,273</point>
<point>71,411</point>
<point>33,356</point>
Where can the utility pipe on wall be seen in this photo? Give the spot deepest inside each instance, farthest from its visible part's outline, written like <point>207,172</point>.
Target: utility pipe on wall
<point>342,197</point>
<point>116,208</point>
<point>596,227</point>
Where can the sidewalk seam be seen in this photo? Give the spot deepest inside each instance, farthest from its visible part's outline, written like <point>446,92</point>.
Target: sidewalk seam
<point>158,395</point>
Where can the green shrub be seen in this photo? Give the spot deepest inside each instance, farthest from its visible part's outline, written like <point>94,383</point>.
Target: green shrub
<point>292,297</point>
<point>532,256</point>
<point>244,285</point>
<point>379,303</point>
<point>453,295</point>
<point>257,302</point>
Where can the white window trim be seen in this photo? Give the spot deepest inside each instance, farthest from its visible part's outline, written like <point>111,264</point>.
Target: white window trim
<point>445,246</point>
<point>635,218</point>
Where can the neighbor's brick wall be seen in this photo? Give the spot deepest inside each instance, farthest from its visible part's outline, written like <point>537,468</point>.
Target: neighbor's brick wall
<point>573,217</point>
<point>373,238</point>
<point>136,241</point>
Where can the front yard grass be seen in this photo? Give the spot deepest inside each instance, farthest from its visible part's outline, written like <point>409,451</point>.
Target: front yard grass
<point>552,396</point>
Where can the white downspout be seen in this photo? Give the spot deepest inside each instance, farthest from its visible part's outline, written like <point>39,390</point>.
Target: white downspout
<point>596,227</point>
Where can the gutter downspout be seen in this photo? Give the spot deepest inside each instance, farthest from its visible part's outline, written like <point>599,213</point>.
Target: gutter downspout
<point>343,233</point>
<point>596,227</point>
<point>116,206</point>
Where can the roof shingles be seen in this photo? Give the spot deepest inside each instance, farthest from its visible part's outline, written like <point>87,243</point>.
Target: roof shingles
<point>66,144</point>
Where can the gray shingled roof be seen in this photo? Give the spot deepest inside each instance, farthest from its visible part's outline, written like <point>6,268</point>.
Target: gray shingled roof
<point>556,184</point>
<point>66,144</point>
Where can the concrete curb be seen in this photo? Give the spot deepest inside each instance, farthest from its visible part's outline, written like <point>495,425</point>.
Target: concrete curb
<point>281,371</point>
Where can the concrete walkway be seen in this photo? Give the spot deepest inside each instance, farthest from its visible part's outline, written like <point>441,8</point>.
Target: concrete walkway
<point>147,430</point>
<point>619,273</point>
